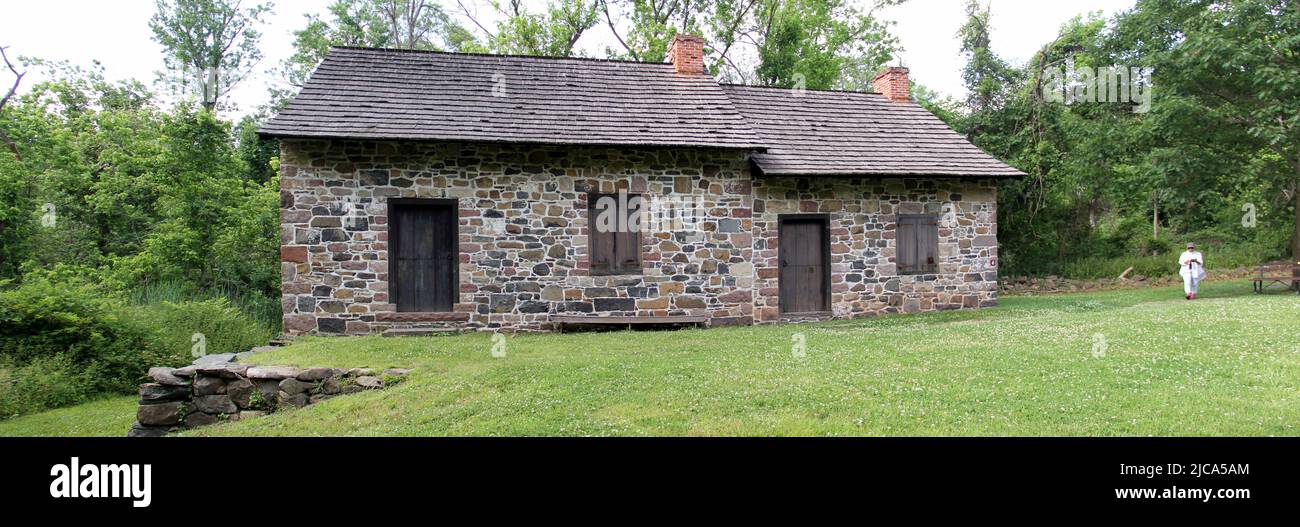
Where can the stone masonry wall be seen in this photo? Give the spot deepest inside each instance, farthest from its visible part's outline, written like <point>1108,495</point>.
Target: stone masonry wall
<point>522,233</point>
<point>864,279</point>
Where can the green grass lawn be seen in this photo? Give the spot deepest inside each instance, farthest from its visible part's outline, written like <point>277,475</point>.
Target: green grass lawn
<point>1227,364</point>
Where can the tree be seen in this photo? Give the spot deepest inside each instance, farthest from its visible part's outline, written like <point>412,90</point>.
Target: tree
<point>986,75</point>
<point>405,24</point>
<point>554,32</point>
<point>210,45</point>
<point>812,43</point>
<point>1240,61</point>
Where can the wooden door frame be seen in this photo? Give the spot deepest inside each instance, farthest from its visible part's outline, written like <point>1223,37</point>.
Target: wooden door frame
<point>394,240</point>
<point>825,220</point>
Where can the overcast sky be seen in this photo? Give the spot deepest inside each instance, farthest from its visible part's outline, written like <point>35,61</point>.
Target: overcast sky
<point>116,33</point>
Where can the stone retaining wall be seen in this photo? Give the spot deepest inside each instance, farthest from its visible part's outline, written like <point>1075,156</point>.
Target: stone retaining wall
<point>199,395</point>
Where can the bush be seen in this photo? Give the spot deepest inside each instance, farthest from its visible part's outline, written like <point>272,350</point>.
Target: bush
<point>44,382</point>
<point>225,328</point>
<point>63,342</point>
<point>43,319</point>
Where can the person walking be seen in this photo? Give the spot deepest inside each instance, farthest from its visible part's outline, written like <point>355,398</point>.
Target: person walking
<point>1191,265</point>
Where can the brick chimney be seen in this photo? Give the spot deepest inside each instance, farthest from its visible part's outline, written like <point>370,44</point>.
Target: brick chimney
<point>687,54</point>
<point>893,83</point>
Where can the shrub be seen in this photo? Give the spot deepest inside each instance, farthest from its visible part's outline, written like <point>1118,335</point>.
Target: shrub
<point>41,383</point>
<point>62,342</point>
<point>43,319</point>
<point>224,327</point>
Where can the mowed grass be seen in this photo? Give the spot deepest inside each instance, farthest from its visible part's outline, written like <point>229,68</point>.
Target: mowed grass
<point>1226,364</point>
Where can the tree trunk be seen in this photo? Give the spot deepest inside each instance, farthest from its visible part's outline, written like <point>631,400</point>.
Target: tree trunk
<point>1295,236</point>
<point>1155,217</point>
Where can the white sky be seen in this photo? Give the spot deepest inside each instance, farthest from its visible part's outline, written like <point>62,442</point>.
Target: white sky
<point>116,33</point>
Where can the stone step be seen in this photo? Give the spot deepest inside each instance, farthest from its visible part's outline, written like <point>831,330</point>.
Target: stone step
<point>420,332</point>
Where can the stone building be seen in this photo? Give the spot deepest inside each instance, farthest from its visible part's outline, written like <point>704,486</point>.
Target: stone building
<point>425,190</point>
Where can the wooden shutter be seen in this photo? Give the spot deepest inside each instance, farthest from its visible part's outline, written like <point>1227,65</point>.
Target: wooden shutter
<point>616,252</point>
<point>906,237</point>
<point>918,243</point>
<point>927,243</point>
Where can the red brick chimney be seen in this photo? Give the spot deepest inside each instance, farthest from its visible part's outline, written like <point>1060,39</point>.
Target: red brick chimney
<point>893,83</point>
<point>687,54</point>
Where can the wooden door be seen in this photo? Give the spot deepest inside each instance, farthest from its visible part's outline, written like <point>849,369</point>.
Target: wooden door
<point>805,264</point>
<point>424,254</point>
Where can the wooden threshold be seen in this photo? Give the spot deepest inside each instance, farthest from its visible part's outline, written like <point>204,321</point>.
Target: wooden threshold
<point>576,320</point>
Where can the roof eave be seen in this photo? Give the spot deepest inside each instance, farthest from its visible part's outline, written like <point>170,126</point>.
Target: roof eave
<point>263,132</point>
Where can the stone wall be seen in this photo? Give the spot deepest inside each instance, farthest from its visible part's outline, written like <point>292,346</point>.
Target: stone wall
<point>862,212</point>
<point>200,395</point>
<point>523,229</point>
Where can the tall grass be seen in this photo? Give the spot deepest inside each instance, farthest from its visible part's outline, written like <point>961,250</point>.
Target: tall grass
<point>1227,257</point>
<point>264,310</point>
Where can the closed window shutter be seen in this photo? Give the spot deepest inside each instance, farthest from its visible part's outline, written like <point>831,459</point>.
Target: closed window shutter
<point>927,244</point>
<point>628,251</point>
<point>906,237</point>
<point>612,252</point>
<point>918,243</point>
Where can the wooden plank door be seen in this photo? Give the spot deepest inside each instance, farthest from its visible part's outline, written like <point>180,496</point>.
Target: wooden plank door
<point>805,264</point>
<point>424,255</point>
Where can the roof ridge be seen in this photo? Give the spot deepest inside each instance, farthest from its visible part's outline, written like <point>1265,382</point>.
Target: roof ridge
<point>499,55</point>
<point>822,90</point>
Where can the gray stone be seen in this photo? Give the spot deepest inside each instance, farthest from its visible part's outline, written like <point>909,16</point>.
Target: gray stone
<point>187,371</point>
<point>268,388</point>
<point>155,393</point>
<point>198,419</point>
<point>272,372</point>
<point>139,430</point>
<point>215,404</point>
<point>370,382</point>
<point>240,391</point>
<point>227,370</point>
<point>216,358</point>
<point>331,386</point>
<point>209,385</point>
<point>162,414</point>
<point>359,372</point>
<point>248,414</point>
<point>166,376</point>
<point>298,400</point>
<point>318,398</point>
<point>315,374</point>
<point>294,386</point>
<point>351,389</point>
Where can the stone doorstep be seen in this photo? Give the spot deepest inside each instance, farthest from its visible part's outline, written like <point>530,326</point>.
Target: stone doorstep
<point>421,332</point>
<point>422,316</point>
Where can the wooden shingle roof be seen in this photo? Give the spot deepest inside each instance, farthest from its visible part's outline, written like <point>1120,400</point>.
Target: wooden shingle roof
<point>837,133</point>
<point>364,93</point>
<point>394,94</point>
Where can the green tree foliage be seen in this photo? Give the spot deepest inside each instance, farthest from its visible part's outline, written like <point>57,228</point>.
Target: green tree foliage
<point>405,24</point>
<point>1107,181</point>
<point>814,43</point>
<point>211,45</point>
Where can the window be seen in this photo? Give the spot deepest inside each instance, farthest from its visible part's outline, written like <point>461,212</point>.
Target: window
<point>614,233</point>
<point>918,243</point>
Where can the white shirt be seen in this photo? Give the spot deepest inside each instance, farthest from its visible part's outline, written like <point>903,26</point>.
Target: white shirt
<point>1188,256</point>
